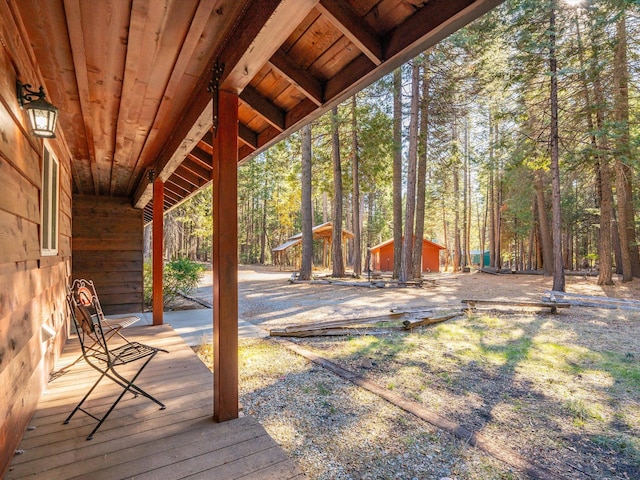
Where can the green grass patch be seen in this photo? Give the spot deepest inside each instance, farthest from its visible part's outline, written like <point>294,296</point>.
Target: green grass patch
<point>621,444</point>
<point>582,412</point>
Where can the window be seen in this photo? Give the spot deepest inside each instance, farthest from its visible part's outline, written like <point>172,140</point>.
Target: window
<point>49,203</point>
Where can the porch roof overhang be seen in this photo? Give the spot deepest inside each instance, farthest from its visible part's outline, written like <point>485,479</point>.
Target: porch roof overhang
<point>131,77</point>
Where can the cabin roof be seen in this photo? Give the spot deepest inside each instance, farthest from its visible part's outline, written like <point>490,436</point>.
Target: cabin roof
<point>131,78</point>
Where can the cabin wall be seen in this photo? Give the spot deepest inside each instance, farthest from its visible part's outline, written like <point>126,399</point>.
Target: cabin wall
<point>32,286</point>
<point>107,248</point>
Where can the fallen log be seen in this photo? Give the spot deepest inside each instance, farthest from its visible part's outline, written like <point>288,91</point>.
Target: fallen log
<point>489,270</point>
<point>411,324</point>
<point>337,331</point>
<point>552,306</point>
<point>412,310</point>
<point>345,322</point>
<point>594,301</point>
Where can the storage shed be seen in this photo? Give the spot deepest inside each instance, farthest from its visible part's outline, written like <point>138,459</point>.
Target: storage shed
<point>382,256</point>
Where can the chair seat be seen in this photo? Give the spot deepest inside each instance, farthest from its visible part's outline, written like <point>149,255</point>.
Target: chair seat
<point>126,353</point>
<point>122,322</point>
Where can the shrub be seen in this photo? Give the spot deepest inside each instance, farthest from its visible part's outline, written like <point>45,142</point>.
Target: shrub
<point>180,276</point>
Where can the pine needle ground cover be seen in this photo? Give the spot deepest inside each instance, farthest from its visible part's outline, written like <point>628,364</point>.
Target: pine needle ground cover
<point>562,391</point>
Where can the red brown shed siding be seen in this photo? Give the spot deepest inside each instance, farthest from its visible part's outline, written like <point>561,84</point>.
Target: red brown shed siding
<point>382,256</point>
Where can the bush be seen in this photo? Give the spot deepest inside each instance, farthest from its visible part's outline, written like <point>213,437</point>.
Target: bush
<point>180,276</point>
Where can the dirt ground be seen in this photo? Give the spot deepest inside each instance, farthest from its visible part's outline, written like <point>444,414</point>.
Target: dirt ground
<point>560,390</point>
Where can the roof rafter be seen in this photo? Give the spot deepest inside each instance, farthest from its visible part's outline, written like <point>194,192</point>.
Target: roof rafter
<point>352,26</point>
<point>264,108</point>
<point>304,81</point>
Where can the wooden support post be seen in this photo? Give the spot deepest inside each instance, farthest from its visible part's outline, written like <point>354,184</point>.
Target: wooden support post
<point>225,260</point>
<point>158,251</point>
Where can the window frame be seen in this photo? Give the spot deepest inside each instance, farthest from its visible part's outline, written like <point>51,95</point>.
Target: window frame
<point>49,202</point>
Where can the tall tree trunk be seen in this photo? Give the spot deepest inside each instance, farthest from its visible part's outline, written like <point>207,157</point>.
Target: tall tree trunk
<point>467,197</point>
<point>263,230</point>
<point>606,210</point>
<point>624,173</point>
<point>543,222</point>
<point>456,219</point>
<point>422,175</point>
<point>558,267</point>
<point>483,232</point>
<point>357,241</point>
<point>605,244</point>
<point>336,248</point>
<point>410,206</point>
<point>306,263</point>
<point>397,171</point>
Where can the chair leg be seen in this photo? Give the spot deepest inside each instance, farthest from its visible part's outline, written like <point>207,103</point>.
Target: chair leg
<point>132,387</point>
<point>127,386</point>
<point>79,406</point>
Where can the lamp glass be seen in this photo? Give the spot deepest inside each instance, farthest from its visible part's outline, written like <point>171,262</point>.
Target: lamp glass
<point>43,117</point>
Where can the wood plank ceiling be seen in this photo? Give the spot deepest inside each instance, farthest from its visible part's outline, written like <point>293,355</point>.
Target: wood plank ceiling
<point>130,76</point>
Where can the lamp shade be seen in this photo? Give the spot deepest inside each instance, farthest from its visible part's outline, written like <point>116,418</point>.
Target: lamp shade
<point>43,117</point>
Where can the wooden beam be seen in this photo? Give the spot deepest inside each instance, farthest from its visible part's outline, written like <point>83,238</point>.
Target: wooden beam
<point>267,110</point>
<point>157,251</point>
<point>225,261</point>
<point>353,27</point>
<point>172,193</point>
<point>244,152</point>
<point>189,177</point>
<point>76,40</point>
<point>432,23</point>
<point>181,183</point>
<point>303,80</point>
<point>258,36</point>
<point>197,169</point>
<point>194,124</point>
<point>206,143</point>
<point>202,157</point>
<point>248,136</point>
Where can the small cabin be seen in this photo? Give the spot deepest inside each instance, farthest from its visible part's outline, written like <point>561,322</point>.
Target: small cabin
<point>382,256</point>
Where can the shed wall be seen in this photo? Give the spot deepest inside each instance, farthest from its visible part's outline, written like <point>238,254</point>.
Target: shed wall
<point>383,257</point>
<point>107,248</point>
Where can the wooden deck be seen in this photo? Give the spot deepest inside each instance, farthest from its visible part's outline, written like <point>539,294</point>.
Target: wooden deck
<point>139,440</point>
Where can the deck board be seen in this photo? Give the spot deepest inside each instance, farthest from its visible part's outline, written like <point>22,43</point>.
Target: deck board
<point>138,439</point>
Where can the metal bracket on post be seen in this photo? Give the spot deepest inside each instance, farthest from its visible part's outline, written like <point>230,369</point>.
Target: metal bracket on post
<point>214,88</point>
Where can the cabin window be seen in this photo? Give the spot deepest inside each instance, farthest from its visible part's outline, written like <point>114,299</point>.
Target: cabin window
<point>49,202</point>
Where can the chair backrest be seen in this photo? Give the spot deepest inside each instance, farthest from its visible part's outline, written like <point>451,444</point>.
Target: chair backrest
<point>87,315</point>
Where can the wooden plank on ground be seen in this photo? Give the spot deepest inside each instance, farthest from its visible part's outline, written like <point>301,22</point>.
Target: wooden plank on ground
<point>411,324</point>
<point>390,317</point>
<point>553,306</point>
<point>334,332</point>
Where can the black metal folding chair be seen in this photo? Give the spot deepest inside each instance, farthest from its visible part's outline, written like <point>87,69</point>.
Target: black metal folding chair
<point>102,357</point>
<point>85,294</point>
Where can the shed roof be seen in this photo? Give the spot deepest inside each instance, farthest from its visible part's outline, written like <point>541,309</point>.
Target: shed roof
<point>390,241</point>
<point>324,230</point>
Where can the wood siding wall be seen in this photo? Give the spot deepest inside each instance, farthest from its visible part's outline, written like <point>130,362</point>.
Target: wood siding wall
<point>107,248</point>
<point>382,258</point>
<point>32,287</point>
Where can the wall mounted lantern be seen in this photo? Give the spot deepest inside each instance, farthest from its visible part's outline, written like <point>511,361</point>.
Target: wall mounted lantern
<point>42,115</point>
